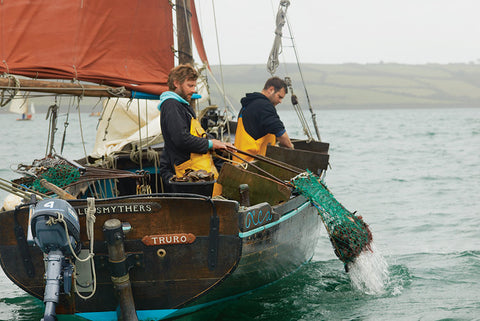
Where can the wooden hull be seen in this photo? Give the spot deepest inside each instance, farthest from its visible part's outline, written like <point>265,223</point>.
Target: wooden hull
<point>256,246</point>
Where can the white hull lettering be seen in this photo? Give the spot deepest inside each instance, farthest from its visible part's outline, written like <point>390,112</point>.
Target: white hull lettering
<point>117,209</point>
<point>165,239</point>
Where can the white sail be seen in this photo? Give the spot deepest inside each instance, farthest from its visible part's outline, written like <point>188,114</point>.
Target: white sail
<point>19,105</point>
<point>119,125</point>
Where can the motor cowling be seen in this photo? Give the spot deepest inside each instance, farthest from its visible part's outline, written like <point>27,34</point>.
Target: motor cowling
<point>51,236</point>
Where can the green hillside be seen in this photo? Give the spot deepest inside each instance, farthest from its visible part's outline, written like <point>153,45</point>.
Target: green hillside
<point>367,85</point>
<point>348,85</point>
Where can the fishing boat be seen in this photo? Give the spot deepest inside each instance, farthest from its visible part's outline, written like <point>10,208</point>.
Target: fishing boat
<point>99,237</point>
<point>23,107</point>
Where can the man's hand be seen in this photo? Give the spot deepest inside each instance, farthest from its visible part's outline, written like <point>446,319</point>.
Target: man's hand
<point>284,141</point>
<point>217,144</point>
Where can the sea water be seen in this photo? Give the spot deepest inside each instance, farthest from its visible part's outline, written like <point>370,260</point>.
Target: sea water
<point>369,271</point>
<point>413,175</point>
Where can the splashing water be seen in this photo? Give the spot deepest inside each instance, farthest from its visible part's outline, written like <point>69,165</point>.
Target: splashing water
<point>369,271</point>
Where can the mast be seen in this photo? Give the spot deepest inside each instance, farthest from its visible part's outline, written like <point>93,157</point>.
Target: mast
<point>184,34</point>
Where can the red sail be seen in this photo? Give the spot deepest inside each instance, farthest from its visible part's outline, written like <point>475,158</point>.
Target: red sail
<point>197,36</point>
<point>116,43</point>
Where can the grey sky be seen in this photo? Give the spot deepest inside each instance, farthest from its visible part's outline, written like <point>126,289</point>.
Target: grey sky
<point>341,31</point>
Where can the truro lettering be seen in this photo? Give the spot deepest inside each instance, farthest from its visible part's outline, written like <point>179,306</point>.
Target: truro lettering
<point>181,238</point>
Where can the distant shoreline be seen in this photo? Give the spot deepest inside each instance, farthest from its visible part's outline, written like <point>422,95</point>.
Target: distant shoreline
<point>348,86</point>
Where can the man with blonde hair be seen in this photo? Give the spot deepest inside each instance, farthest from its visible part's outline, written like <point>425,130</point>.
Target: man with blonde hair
<point>186,143</point>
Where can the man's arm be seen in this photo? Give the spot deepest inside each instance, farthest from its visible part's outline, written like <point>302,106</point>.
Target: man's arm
<point>176,126</point>
<point>284,140</point>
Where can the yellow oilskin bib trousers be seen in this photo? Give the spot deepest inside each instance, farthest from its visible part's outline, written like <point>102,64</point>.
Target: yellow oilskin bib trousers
<point>245,142</point>
<point>199,161</point>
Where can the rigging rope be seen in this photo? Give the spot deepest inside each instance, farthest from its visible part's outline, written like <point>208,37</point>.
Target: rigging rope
<point>273,62</point>
<point>140,149</point>
<point>3,100</point>
<point>89,224</point>
<point>52,127</point>
<point>81,131</point>
<point>65,125</point>
<point>218,51</point>
<point>314,116</point>
<point>298,110</point>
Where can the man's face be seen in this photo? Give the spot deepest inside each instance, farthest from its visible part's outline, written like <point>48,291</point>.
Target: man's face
<point>186,89</point>
<point>275,97</point>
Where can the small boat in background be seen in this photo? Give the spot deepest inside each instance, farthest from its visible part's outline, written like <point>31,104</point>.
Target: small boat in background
<point>23,107</point>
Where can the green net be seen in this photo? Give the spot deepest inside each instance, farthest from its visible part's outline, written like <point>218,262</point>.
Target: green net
<point>60,175</point>
<point>348,233</point>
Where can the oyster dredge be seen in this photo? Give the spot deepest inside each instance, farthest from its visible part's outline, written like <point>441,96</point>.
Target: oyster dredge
<point>100,237</point>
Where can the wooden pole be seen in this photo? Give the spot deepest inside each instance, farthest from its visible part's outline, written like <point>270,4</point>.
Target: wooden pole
<point>62,88</point>
<point>57,190</point>
<point>114,236</point>
<point>184,34</point>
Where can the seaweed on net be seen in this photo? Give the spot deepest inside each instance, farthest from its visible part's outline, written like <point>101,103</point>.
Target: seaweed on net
<point>60,175</point>
<point>349,234</point>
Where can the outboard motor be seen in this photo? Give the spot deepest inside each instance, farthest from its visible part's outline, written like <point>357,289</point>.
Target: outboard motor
<point>49,234</point>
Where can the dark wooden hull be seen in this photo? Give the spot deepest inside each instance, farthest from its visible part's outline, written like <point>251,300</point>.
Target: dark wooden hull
<point>273,249</point>
<point>256,246</point>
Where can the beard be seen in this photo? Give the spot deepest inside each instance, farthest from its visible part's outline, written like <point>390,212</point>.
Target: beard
<point>185,96</point>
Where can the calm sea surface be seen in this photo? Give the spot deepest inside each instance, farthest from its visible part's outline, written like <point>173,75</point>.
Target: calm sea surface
<point>414,176</point>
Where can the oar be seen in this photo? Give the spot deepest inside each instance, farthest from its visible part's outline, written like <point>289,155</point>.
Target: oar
<point>270,161</point>
<point>57,190</point>
<point>260,169</point>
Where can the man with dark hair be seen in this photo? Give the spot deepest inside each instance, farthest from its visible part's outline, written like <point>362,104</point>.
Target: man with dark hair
<point>186,143</point>
<point>258,122</point>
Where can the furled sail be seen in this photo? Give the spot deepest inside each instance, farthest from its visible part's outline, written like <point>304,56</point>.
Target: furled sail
<point>116,43</point>
<point>125,122</point>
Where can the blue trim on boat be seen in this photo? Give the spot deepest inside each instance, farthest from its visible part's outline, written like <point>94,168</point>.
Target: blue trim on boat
<point>142,315</point>
<point>142,95</point>
<point>154,315</point>
<point>157,315</point>
<point>269,225</point>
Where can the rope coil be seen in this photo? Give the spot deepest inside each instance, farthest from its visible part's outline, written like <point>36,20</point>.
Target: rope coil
<point>90,224</point>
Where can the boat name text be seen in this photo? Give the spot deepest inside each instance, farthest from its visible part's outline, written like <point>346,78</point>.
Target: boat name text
<point>180,238</point>
<point>257,217</point>
<point>120,208</point>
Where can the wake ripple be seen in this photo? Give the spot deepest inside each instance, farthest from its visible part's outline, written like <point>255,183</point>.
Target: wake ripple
<point>369,272</point>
